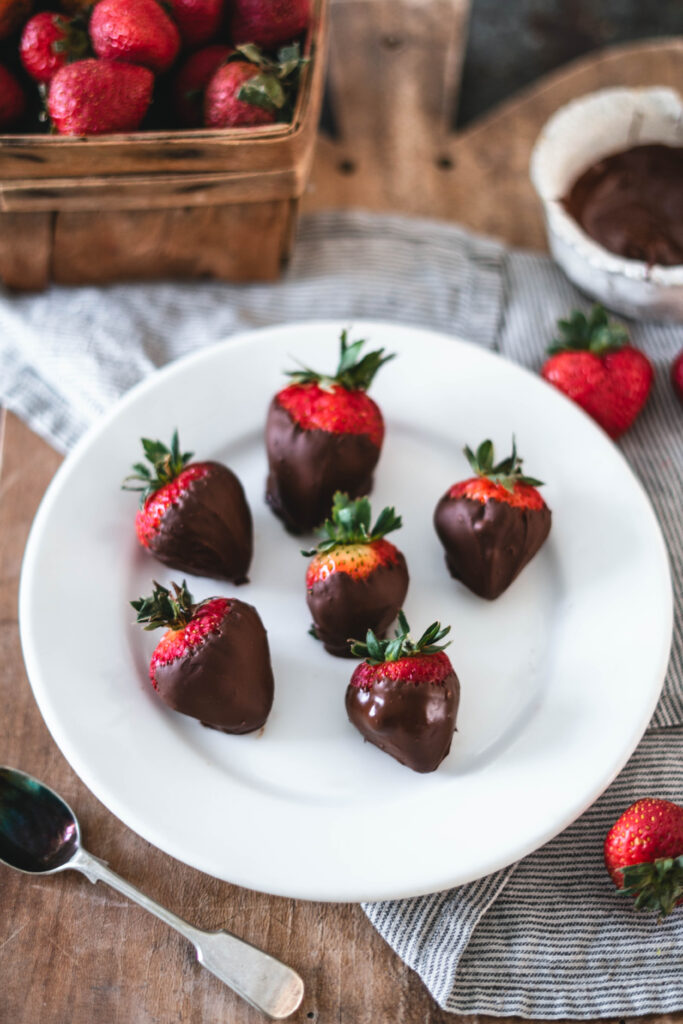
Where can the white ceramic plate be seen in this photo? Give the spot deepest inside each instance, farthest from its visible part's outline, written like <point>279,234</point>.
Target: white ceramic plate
<point>559,676</point>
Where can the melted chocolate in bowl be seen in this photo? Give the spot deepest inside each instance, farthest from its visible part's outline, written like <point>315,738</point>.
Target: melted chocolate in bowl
<point>631,203</point>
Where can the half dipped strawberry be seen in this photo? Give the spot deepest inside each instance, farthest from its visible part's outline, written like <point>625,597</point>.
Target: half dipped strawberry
<point>492,524</point>
<point>357,580</point>
<point>323,434</point>
<point>213,663</point>
<point>404,697</point>
<point>193,516</point>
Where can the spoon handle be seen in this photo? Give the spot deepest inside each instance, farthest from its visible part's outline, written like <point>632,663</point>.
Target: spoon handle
<point>264,982</point>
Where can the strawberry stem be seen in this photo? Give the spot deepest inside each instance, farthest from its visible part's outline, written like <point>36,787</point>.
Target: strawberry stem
<point>506,473</point>
<point>167,464</point>
<point>376,651</point>
<point>656,885</point>
<point>172,610</point>
<point>353,373</point>
<point>349,523</point>
<point>593,333</point>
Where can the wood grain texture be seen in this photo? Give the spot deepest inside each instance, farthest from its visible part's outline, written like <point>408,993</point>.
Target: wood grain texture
<point>480,177</point>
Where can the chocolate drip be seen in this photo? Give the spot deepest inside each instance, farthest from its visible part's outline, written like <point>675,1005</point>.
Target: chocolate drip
<point>306,467</point>
<point>632,204</point>
<point>413,722</point>
<point>208,531</point>
<point>344,608</point>
<point>488,543</point>
<point>227,681</point>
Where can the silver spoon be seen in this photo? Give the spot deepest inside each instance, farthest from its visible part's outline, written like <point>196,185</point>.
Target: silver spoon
<point>39,835</point>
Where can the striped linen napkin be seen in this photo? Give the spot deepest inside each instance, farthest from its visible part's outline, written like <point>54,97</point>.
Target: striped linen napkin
<point>547,937</point>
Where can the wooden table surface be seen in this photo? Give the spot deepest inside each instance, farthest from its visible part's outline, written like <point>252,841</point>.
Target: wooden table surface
<point>71,953</point>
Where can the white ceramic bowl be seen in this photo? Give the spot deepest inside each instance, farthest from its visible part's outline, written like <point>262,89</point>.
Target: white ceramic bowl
<point>577,136</point>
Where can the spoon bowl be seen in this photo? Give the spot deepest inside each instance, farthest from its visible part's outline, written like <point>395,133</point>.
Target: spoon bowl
<point>39,835</point>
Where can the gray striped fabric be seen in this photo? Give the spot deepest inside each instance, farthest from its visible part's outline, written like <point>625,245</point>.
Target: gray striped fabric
<point>547,937</point>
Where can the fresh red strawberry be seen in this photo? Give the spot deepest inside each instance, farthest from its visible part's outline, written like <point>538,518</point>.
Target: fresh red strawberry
<point>192,516</point>
<point>49,41</point>
<point>13,14</point>
<point>198,20</point>
<point>269,23</point>
<point>134,31</point>
<point>644,854</point>
<point>677,375</point>
<point>98,97</point>
<point>357,580</point>
<point>191,81</point>
<point>12,99</point>
<point>593,364</point>
<point>491,525</point>
<point>223,107</point>
<point>404,697</point>
<point>323,434</point>
<point>213,662</point>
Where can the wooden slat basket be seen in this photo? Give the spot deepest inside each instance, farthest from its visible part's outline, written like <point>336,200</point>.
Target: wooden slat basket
<point>172,204</point>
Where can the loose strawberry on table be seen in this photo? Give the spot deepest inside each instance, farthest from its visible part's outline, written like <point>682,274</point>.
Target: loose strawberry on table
<point>97,97</point>
<point>404,697</point>
<point>269,23</point>
<point>677,375</point>
<point>644,854</point>
<point>593,364</point>
<point>323,434</point>
<point>135,31</point>
<point>357,580</point>
<point>12,99</point>
<point>193,516</point>
<point>491,525</point>
<point>213,663</point>
<point>49,41</point>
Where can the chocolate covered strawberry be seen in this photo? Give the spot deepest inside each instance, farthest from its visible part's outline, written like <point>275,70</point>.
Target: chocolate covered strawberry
<point>98,97</point>
<point>357,579</point>
<point>135,31</point>
<point>644,854</point>
<point>269,23</point>
<point>492,524</point>
<point>49,41</point>
<point>404,697</point>
<point>12,99</point>
<point>593,364</point>
<point>323,434</point>
<point>250,88</point>
<point>213,662</point>
<point>193,516</point>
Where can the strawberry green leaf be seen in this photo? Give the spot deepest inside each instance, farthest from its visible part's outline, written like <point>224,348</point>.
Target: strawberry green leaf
<point>507,473</point>
<point>353,373</point>
<point>655,885</point>
<point>263,91</point>
<point>376,651</point>
<point>171,609</point>
<point>593,333</point>
<point>167,464</point>
<point>349,523</point>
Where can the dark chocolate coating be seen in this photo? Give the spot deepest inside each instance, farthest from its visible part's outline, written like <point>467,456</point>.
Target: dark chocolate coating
<point>344,608</point>
<point>306,467</point>
<point>208,532</point>
<point>632,204</point>
<point>488,543</point>
<point>227,681</point>
<point>414,722</point>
